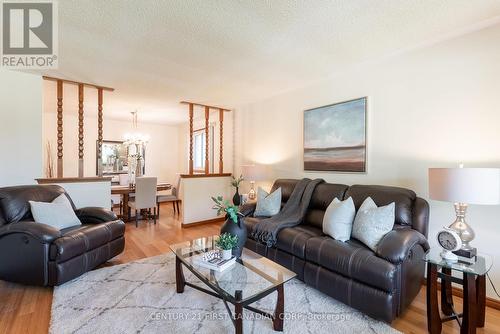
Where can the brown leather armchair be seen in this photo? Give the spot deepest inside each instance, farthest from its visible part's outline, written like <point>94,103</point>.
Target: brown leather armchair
<point>381,284</point>
<point>38,254</point>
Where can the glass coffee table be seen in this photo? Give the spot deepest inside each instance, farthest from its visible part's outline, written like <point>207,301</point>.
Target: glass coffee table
<point>250,279</point>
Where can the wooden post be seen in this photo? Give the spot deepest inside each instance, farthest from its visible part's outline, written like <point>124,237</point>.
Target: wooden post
<point>191,139</point>
<point>221,140</point>
<point>80,130</point>
<point>99,131</point>
<point>207,160</point>
<point>59,128</point>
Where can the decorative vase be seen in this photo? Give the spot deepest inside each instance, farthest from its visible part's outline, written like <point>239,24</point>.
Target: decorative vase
<point>236,198</point>
<point>226,254</point>
<point>237,229</point>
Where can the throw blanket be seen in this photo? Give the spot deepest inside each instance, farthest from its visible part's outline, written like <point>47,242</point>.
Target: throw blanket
<point>266,231</point>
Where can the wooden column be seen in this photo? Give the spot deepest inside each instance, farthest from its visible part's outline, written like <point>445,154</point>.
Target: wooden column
<point>80,130</point>
<point>59,128</point>
<point>99,131</point>
<point>207,146</point>
<point>191,116</point>
<point>221,140</point>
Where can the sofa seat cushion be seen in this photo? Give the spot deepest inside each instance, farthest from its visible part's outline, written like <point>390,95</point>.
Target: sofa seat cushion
<point>353,260</point>
<point>293,239</point>
<point>78,240</point>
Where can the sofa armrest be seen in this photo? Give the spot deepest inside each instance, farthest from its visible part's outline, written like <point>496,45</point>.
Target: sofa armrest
<point>42,232</point>
<point>395,245</point>
<point>247,209</point>
<point>95,215</point>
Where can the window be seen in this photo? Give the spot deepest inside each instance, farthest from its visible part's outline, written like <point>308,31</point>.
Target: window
<point>199,147</point>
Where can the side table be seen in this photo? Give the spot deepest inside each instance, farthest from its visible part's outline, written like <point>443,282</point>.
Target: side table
<point>473,282</point>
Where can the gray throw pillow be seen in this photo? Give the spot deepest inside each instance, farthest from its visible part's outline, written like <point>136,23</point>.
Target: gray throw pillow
<point>268,205</point>
<point>338,219</point>
<point>58,214</point>
<point>372,223</point>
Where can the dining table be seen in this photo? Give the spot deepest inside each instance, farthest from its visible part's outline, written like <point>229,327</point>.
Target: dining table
<point>126,191</point>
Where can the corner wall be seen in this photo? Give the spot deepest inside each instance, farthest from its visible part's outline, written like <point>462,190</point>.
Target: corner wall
<point>434,107</point>
<point>20,128</point>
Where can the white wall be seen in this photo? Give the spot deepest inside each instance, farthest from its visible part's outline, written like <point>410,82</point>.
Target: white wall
<point>20,127</point>
<point>196,194</point>
<point>433,107</point>
<point>161,152</point>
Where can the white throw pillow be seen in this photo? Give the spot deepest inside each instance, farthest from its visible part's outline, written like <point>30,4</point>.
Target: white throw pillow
<point>338,219</point>
<point>372,223</point>
<point>58,214</point>
<point>268,205</point>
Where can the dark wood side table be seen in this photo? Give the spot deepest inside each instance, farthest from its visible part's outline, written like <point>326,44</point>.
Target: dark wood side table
<point>473,281</point>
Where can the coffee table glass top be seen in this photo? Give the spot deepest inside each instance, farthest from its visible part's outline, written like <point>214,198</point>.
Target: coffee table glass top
<point>480,267</point>
<point>252,274</point>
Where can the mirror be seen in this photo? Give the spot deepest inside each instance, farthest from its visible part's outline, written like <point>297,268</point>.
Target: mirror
<point>115,158</point>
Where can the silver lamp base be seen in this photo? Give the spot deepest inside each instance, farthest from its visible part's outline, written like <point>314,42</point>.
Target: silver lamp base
<point>465,232</point>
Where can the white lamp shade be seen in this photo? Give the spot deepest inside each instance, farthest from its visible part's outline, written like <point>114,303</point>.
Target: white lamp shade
<point>254,172</point>
<point>465,185</point>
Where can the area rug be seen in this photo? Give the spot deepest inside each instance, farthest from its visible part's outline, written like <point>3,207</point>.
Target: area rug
<point>140,297</point>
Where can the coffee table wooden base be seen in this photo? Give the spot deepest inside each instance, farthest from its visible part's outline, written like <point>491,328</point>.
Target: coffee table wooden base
<point>239,305</point>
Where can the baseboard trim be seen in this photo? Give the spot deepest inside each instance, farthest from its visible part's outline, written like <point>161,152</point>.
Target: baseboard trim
<point>202,222</point>
<point>490,302</point>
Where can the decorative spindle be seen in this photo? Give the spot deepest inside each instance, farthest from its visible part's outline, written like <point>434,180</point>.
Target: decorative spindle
<point>207,160</point>
<point>80,130</point>
<point>59,128</point>
<point>99,130</point>
<point>191,116</point>
<point>221,140</point>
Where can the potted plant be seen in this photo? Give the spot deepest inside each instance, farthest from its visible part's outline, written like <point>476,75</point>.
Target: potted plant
<point>235,182</point>
<point>234,224</point>
<point>226,242</point>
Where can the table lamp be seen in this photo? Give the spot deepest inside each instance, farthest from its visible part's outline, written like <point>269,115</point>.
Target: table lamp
<point>464,186</point>
<point>253,173</point>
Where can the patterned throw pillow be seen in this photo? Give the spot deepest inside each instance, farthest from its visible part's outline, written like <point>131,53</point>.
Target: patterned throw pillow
<point>338,219</point>
<point>268,205</point>
<point>372,223</point>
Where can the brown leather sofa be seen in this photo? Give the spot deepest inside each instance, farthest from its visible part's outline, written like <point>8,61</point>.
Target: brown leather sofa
<point>38,254</point>
<point>381,284</point>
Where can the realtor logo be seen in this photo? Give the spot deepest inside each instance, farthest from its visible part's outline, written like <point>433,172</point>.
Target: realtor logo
<point>29,34</point>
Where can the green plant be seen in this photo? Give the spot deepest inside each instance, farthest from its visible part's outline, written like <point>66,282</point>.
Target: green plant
<point>236,182</point>
<point>222,205</point>
<point>226,241</point>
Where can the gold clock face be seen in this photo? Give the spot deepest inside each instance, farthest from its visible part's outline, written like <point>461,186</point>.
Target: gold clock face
<point>447,240</point>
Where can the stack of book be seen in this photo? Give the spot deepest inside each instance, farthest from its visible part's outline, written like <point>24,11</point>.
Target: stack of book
<point>212,262</point>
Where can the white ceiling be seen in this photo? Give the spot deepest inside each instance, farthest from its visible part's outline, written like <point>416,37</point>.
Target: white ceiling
<point>227,52</point>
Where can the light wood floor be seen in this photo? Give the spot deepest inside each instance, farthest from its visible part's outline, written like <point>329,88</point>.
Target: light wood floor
<point>25,309</point>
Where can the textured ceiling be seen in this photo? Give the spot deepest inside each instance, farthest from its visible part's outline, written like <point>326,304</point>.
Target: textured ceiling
<point>227,52</point>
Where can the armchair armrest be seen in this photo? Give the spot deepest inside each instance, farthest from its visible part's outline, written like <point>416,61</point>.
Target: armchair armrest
<point>95,215</point>
<point>247,209</point>
<point>396,245</point>
<point>41,232</point>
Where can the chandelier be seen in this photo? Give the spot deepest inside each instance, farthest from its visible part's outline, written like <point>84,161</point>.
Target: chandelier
<point>135,138</point>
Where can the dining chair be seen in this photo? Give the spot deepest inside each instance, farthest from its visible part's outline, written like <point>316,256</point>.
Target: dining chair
<point>173,197</point>
<point>145,198</point>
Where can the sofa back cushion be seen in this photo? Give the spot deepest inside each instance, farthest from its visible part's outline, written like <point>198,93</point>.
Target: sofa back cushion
<point>322,196</point>
<point>287,186</point>
<point>383,195</point>
<point>14,201</point>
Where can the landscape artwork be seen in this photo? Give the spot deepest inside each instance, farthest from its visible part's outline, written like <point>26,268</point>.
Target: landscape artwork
<point>335,137</point>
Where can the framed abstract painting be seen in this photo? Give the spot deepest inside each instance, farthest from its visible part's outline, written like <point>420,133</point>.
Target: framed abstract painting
<point>335,137</point>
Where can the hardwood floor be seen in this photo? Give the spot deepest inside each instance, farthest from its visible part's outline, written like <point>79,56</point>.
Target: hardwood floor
<point>25,309</point>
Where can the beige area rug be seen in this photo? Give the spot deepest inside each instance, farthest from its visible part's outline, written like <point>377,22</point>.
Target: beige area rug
<point>140,297</point>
